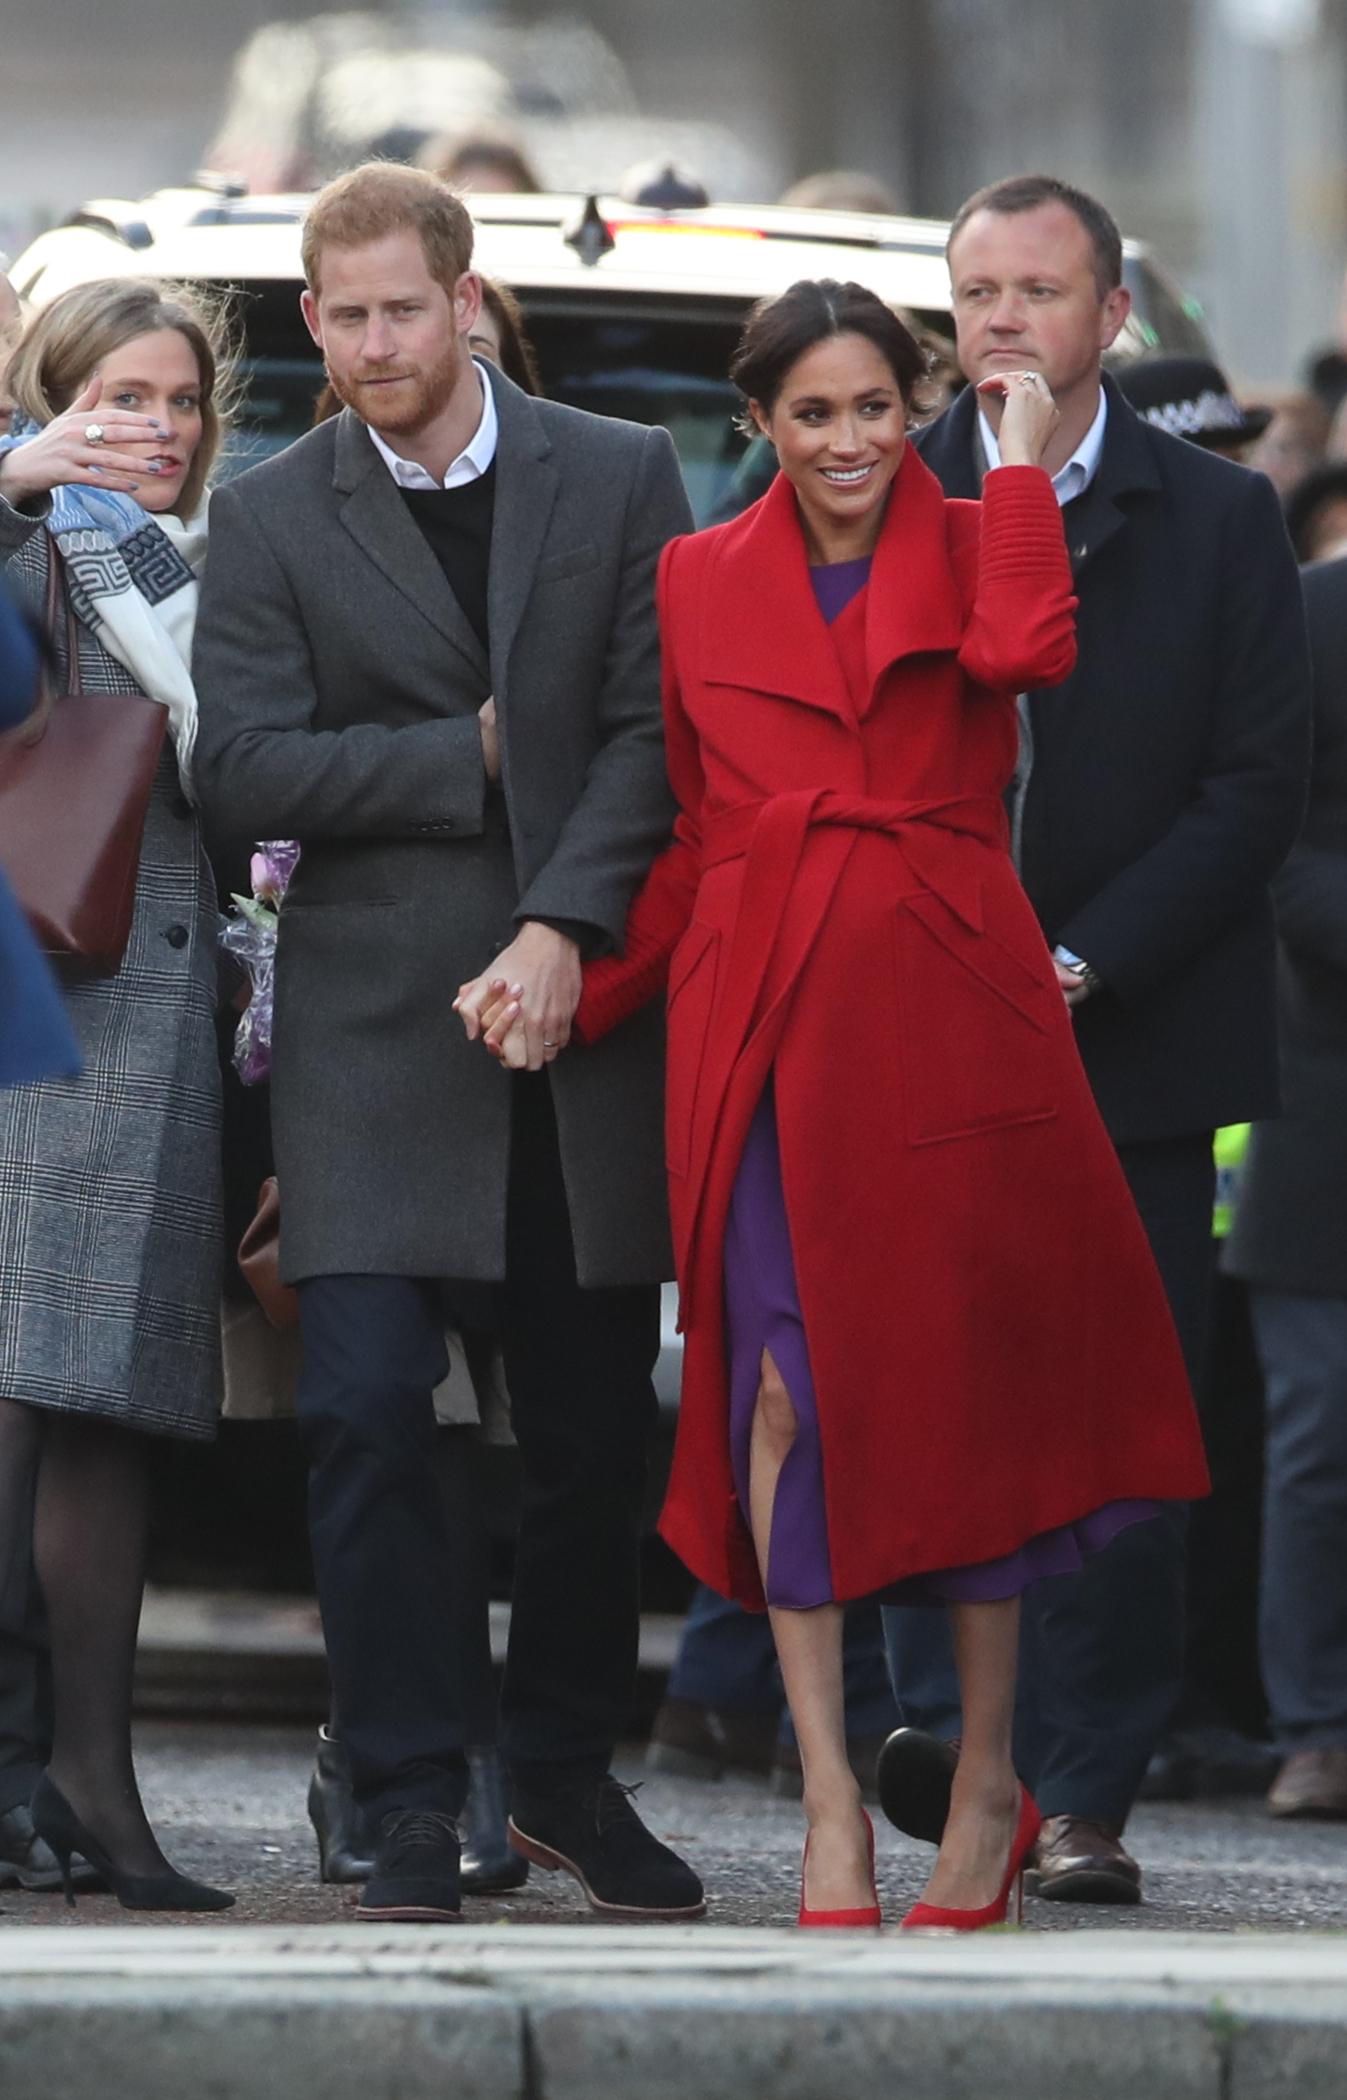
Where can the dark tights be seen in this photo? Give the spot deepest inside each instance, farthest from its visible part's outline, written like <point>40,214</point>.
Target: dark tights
<point>84,1481</point>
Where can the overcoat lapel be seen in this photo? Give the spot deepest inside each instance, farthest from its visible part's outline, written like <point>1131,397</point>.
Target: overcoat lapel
<point>376,517</point>
<point>913,606</point>
<point>526,490</point>
<point>1126,468</point>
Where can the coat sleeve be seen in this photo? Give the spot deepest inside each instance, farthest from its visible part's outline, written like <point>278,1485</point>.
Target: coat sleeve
<point>261,769</point>
<point>624,812</point>
<point>1214,864</point>
<point>1310,893</point>
<point>616,986</point>
<point>1022,632</point>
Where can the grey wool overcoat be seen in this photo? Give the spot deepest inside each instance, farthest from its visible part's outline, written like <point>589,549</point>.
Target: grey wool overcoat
<point>339,684</point>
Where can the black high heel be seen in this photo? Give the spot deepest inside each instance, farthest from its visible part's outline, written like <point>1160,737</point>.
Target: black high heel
<point>55,1821</point>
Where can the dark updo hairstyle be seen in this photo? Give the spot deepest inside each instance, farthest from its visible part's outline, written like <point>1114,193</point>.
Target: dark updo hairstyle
<point>780,331</point>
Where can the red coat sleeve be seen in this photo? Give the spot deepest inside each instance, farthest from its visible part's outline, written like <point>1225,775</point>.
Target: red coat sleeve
<point>616,985</point>
<point>1022,632</point>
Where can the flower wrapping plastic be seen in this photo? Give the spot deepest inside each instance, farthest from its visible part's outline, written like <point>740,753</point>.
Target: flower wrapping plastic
<point>250,935</point>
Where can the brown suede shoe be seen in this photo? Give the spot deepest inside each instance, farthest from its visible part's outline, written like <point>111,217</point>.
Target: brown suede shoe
<point>1079,1861</point>
<point>1311,1783</point>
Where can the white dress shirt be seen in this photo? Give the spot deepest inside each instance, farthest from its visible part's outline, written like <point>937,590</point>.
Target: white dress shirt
<point>472,461</point>
<point>1075,477</point>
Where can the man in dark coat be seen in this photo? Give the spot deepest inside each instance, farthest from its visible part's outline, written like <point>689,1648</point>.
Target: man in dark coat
<point>1158,791</point>
<point>1290,1244</point>
<point>428,650</point>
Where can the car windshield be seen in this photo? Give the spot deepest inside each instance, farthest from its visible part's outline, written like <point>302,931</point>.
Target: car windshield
<point>648,367</point>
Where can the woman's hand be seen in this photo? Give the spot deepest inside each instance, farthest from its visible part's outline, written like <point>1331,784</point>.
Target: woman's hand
<point>62,452</point>
<point>1029,415</point>
<point>524,1005</point>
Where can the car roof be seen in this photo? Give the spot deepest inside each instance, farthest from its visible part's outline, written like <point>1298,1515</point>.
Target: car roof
<point>734,252</point>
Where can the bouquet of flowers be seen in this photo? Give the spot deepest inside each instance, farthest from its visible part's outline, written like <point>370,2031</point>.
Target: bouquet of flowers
<point>250,934</point>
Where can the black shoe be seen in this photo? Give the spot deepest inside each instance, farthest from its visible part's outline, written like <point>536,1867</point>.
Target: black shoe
<point>596,1835</point>
<point>345,1843</point>
<point>416,1878</point>
<point>491,1866</point>
<point>55,1821</point>
<point>28,1862</point>
<point>913,1778</point>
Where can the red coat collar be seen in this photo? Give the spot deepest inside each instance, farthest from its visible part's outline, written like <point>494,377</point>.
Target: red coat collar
<point>762,629</point>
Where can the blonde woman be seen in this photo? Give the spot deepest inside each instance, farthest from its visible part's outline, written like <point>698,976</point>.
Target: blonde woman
<point>109,1202</point>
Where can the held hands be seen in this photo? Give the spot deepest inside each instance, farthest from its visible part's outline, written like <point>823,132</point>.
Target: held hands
<point>486,715</point>
<point>1027,417</point>
<point>523,1007</point>
<point>63,452</point>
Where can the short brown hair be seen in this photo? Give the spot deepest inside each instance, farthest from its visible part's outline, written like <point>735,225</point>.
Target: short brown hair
<point>1020,193</point>
<point>65,342</point>
<point>383,197</point>
<point>779,331</point>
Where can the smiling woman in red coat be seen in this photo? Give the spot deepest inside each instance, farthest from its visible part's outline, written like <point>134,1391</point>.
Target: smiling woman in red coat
<point>926,1348</point>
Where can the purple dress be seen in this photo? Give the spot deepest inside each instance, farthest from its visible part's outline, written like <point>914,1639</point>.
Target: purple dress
<point>762,1311</point>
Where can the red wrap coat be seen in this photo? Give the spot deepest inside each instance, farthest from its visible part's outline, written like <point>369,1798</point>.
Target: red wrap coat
<point>991,1348</point>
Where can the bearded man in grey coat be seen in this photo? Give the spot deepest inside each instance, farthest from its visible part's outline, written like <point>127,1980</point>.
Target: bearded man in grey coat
<point>428,650</point>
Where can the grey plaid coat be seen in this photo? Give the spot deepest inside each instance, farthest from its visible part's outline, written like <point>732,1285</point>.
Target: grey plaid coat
<point>110,1236</point>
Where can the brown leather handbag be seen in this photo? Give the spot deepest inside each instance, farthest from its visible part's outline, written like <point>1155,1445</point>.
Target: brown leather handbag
<point>259,1257</point>
<point>75,785</point>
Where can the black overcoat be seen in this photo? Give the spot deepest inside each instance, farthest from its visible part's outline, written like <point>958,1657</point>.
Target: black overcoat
<point>1291,1224</point>
<point>340,683</point>
<point>1168,772</point>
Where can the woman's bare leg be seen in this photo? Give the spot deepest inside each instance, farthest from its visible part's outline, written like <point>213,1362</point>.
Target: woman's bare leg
<point>984,1806</point>
<point>809,1649</point>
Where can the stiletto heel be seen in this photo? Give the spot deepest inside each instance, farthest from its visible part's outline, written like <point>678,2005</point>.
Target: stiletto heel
<point>932,1917</point>
<point>57,1824</point>
<point>869,1917</point>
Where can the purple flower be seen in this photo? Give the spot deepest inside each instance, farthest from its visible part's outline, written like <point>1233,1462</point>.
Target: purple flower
<point>272,866</point>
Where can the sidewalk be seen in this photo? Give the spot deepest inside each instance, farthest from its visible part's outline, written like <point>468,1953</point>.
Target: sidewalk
<point>667,2014</point>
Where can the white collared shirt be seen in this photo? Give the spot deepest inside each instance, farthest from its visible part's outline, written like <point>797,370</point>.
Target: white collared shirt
<point>472,461</point>
<point>1075,477</point>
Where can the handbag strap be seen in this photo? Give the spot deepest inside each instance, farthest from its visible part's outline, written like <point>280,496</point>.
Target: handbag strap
<point>55,593</point>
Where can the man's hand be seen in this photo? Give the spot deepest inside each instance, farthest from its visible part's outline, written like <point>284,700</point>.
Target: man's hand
<point>486,715</point>
<point>1074,988</point>
<point>525,1003</point>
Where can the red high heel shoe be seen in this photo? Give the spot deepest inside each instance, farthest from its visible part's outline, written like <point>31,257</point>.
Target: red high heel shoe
<point>869,1916</point>
<point>930,1917</point>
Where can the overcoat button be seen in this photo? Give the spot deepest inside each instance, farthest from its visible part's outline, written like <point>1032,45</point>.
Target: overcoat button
<point>177,936</point>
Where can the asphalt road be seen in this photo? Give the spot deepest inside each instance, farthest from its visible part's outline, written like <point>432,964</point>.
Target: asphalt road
<point>229,1804</point>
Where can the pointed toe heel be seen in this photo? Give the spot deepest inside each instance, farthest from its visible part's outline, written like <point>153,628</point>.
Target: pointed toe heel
<point>933,1917</point>
<point>57,1824</point>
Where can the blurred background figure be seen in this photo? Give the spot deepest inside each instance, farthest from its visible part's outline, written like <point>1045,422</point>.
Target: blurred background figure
<point>481,161</point>
<point>1294,442</point>
<point>1289,1244</point>
<point>662,185</point>
<point>1316,513</point>
<point>840,189</point>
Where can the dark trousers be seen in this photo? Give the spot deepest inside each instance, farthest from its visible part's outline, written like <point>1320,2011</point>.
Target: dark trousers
<point>1303,1344</point>
<point>1101,1657</point>
<point>727,1659</point>
<point>578,1365</point>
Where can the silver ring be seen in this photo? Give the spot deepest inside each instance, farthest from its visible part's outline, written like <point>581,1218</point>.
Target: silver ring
<point>547,1045</point>
<point>93,433</point>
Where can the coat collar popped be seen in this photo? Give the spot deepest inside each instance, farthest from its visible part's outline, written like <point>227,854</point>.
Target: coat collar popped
<point>763,630</point>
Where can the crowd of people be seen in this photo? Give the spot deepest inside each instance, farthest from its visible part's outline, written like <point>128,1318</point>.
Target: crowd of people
<point>868,908</point>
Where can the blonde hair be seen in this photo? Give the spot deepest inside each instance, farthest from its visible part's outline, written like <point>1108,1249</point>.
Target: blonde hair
<point>65,343</point>
<point>383,197</point>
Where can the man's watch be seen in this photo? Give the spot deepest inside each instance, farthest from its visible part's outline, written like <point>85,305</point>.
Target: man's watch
<point>1078,967</point>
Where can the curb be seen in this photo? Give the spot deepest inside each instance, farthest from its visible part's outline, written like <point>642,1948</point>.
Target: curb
<point>667,2013</point>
